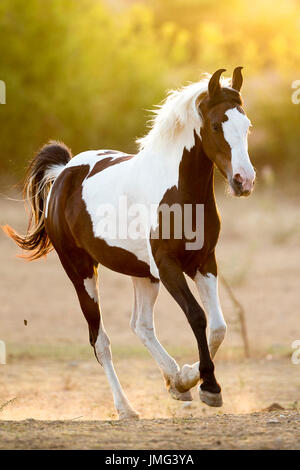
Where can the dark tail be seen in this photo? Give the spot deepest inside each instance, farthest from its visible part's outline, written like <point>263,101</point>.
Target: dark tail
<point>41,174</point>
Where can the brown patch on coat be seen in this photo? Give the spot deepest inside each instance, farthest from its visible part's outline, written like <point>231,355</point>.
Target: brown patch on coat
<point>195,186</point>
<point>107,162</point>
<point>107,152</point>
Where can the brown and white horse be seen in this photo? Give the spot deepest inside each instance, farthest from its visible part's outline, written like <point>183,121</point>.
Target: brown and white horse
<point>196,128</point>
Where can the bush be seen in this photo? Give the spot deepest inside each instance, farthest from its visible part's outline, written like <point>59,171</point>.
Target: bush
<point>85,73</point>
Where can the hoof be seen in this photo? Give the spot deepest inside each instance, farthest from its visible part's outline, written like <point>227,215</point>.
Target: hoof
<point>211,399</point>
<point>176,395</point>
<point>130,414</point>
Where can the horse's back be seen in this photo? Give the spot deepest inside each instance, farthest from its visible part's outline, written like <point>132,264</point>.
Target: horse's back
<point>75,199</point>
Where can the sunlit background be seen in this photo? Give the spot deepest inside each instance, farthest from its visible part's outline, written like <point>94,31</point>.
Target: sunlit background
<point>86,72</point>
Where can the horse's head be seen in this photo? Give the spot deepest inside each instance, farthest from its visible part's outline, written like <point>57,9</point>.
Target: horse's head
<point>224,132</point>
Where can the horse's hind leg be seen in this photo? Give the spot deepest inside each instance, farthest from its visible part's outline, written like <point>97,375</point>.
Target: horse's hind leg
<point>84,276</point>
<point>142,323</point>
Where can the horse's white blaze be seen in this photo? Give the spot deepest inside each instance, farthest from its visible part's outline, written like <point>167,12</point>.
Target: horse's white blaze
<point>235,131</point>
<point>90,284</point>
<point>208,290</point>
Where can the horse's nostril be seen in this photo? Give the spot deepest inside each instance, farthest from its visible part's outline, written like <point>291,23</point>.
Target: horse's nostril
<point>238,179</point>
<point>238,183</point>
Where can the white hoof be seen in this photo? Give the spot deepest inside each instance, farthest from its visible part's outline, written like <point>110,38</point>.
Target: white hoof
<point>211,399</point>
<point>176,395</point>
<point>129,414</point>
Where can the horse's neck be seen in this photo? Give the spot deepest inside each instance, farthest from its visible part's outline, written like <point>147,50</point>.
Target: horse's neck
<point>190,170</point>
<point>196,174</point>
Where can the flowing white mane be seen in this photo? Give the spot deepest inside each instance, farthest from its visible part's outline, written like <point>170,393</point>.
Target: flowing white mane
<point>176,114</point>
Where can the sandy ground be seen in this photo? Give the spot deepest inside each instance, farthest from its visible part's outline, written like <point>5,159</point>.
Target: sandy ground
<point>59,394</point>
<point>68,405</point>
<point>267,431</point>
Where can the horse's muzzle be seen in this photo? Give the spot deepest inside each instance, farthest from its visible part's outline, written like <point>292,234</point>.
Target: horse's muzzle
<point>241,186</point>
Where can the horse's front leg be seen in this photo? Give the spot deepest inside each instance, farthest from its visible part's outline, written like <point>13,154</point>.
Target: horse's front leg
<point>172,277</point>
<point>207,285</point>
<point>206,281</point>
<point>142,323</point>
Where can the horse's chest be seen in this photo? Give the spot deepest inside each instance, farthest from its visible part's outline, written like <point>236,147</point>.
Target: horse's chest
<point>192,260</point>
<point>192,228</point>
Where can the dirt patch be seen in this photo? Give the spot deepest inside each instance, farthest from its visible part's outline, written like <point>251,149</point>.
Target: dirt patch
<point>68,405</point>
<point>255,431</point>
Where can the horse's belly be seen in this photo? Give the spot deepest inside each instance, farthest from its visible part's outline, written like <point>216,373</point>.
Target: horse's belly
<point>122,257</point>
<point>137,248</point>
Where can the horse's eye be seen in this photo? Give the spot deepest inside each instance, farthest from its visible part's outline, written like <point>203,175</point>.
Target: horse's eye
<point>216,127</point>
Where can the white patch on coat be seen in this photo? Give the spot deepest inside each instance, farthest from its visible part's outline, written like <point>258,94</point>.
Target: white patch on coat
<point>90,284</point>
<point>235,131</point>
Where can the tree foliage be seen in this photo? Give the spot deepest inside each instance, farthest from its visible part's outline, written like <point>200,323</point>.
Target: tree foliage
<point>86,71</point>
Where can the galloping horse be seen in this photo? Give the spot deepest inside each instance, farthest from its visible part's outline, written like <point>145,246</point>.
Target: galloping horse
<point>201,126</point>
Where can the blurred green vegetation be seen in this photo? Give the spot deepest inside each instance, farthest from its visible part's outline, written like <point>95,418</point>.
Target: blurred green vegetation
<point>86,71</point>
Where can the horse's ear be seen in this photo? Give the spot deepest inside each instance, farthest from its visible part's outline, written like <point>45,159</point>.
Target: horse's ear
<point>214,82</point>
<point>237,79</point>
